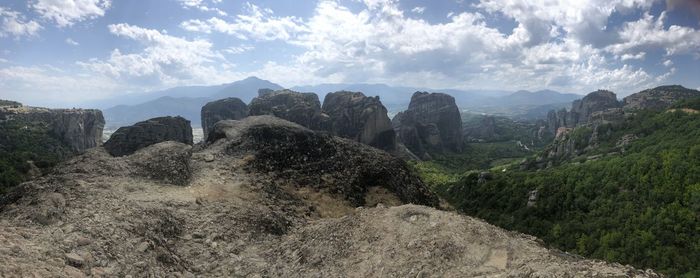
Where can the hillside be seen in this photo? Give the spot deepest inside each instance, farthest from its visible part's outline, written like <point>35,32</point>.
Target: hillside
<point>253,210</point>
<point>629,196</point>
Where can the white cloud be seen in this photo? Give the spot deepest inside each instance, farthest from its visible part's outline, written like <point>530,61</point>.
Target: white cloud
<point>668,63</point>
<point>200,5</point>
<point>583,20</point>
<point>381,44</point>
<point>638,56</point>
<point>256,23</point>
<point>165,59</point>
<point>16,25</point>
<point>649,33</point>
<point>72,42</point>
<point>418,10</point>
<point>68,12</point>
<point>238,49</point>
<point>46,85</point>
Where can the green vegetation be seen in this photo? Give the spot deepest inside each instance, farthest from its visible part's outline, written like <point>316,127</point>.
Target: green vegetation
<point>21,142</point>
<point>490,128</point>
<point>640,207</point>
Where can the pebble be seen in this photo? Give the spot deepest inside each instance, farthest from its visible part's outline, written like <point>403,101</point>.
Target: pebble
<point>70,271</point>
<point>143,246</point>
<point>74,259</point>
<point>82,241</point>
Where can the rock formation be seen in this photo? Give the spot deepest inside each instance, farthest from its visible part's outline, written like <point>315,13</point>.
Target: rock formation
<point>223,109</point>
<point>658,98</point>
<point>261,201</point>
<point>305,157</point>
<point>80,129</point>
<point>363,119</point>
<point>583,110</point>
<point>129,139</point>
<point>300,108</point>
<point>432,123</point>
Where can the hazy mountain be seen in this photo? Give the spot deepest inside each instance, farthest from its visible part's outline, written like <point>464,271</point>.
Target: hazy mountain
<point>123,115</point>
<point>187,101</point>
<point>245,89</point>
<point>538,98</point>
<point>184,101</point>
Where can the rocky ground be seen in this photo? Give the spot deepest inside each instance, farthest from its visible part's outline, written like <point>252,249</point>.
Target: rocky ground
<point>250,210</point>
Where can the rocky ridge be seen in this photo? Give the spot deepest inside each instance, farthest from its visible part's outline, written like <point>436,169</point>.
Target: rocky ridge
<point>79,129</point>
<point>246,212</point>
<point>658,98</point>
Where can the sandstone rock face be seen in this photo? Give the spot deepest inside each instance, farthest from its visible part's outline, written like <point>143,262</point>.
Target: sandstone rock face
<point>300,108</point>
<point>600,105</point>
<point>223,109</point>
<point>596,101</point>
<point>431,123</point>
<point>127,140</point>
<point>658,98</point>
<point>363,119</point>
<point>80,129</point>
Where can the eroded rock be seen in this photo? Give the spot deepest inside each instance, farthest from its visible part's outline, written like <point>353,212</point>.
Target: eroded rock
<point>364,119</point>
<point>223,109</point>
<point>432,123</point>
<point>127,140</point>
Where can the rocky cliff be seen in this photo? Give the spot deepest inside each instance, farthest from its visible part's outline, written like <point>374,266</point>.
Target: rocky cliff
<point>257,203</point>
<point>658,98</point>
<point>127,140</point>
<point>356,116</point>
<point>583,110</point>
<point>223,109</point>
<point>80,129</point>
<point>300,108</point>
<point>432,123</point>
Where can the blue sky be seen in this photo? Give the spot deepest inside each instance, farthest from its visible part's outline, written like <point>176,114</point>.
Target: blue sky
<point>58,52</point>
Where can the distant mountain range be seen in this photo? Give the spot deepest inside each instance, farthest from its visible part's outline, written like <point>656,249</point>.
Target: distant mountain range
<point>187,101</point>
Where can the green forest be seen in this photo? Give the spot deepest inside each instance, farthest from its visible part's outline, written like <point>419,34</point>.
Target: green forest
<point>640,207</point>
<point>21,142</point>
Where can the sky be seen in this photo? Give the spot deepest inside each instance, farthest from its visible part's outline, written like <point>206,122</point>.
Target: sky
<point>57,52</point>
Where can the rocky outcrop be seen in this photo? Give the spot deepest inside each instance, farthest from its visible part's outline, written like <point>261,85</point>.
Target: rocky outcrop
<point>598,105</point>
<point>432,123</point>
<point>300,108</point>
<point>223,109</point>
<point>263,209</point>
<point>129,139</point>
<point>658,98</point>
<point>356,116</point>
<point>305,157</point>
<point>79,129</point>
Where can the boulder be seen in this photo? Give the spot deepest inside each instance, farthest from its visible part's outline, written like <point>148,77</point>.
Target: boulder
<point>658,98</point>
<point>300,108</point>
<point>432,123</point>
<point>223,109</point>
<point>356,116</point>
<point>129,139</point>
<point>321,161</point>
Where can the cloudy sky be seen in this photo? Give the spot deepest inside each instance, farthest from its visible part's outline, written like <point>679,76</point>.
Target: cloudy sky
<point>56,52</point>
